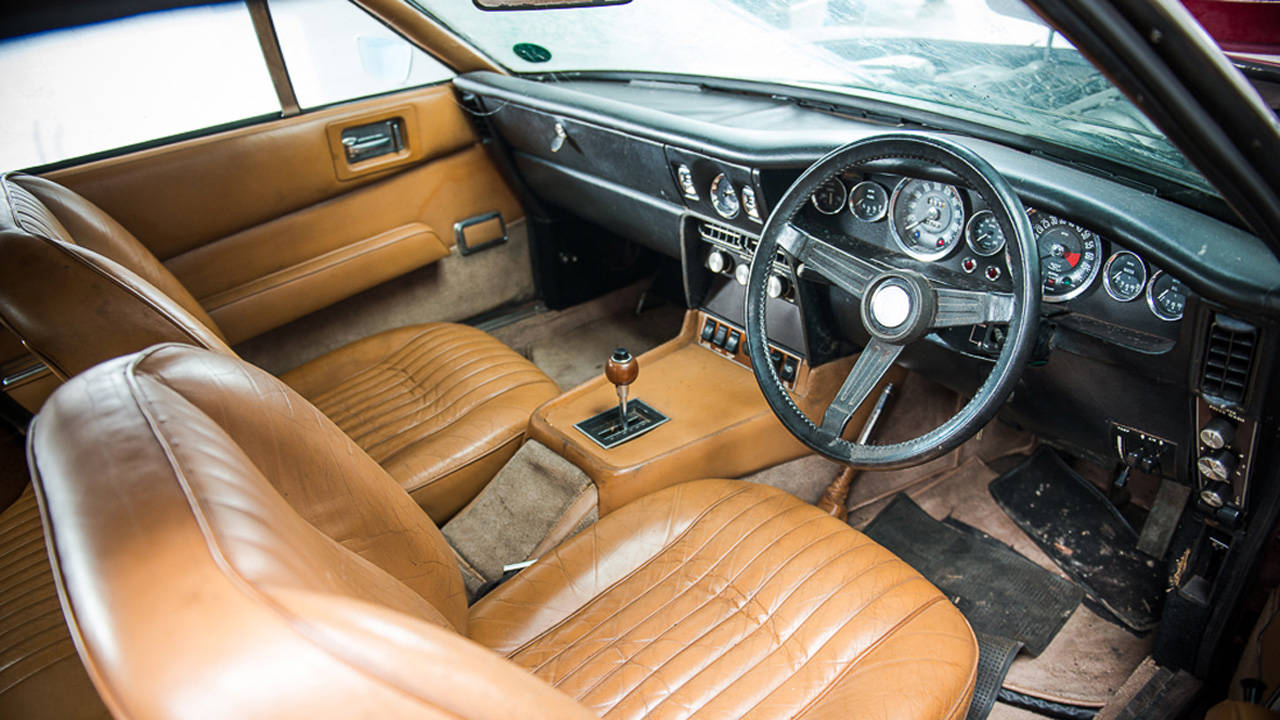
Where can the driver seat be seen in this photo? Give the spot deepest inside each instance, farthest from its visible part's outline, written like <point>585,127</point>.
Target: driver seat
<point>222,549</point>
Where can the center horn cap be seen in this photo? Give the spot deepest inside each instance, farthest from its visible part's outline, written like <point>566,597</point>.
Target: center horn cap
<point>891,305</point>
<point>899,306</point>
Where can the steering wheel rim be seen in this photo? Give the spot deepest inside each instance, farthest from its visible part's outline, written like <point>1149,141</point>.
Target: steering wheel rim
<point>930,302</point>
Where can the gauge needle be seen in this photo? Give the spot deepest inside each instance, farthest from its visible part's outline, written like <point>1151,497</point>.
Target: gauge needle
<point>932,215</point>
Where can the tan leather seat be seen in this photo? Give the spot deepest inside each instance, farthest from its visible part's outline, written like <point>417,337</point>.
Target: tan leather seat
<point>443,406</point>
<point>223,550</point>
<point>40,675</point>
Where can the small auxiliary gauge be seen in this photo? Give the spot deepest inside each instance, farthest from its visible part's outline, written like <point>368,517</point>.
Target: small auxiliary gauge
<point>749,203</point>
<point>869,201</point>
<point>724,198</point>
<point>1124,276</point>
<point>829,197</point>
<point>983,235</point>
<point>1166,296</point>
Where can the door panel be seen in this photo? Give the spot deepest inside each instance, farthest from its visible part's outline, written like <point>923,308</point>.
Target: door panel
<point>268,223</point>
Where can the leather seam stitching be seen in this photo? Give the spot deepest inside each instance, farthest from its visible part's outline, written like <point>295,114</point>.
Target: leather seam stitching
<point>663,606</point>
<point>754,594</point>
<point>651,588</point>
<point>874,646</point>
<point>693,522</point>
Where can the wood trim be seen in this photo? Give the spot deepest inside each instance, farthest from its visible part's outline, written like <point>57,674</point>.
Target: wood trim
<point>270,44</point>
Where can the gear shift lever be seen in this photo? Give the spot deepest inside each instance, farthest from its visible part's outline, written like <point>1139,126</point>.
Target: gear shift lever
<point>632,418</point>
<point>622,369</point>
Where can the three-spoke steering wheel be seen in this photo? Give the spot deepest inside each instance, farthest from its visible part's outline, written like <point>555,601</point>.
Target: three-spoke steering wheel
<point>898,304</point>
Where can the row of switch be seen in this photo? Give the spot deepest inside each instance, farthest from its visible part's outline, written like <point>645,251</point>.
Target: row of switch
<point>728,339</point>
<point>721,335</point>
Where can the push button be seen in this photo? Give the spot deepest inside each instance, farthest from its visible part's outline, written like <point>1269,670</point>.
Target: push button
<point>731,344</point>
<point>722,333</point>
<point>776,358</point>
<point>708,329</point>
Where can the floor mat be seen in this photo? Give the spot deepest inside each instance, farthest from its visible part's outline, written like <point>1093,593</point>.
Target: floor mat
<point>1074,523</point>
<point>999,591</point>
<point>995,655</point>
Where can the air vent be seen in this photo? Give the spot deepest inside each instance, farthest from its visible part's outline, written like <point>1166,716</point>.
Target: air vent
<point>1228,359</point>
<point>722,235</point>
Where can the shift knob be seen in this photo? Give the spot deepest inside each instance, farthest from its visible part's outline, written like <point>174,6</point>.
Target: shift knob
<point>621,368</point>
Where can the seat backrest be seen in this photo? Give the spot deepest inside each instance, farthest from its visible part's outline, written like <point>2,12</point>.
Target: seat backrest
<point>78,288</point>
<point>223,550</point>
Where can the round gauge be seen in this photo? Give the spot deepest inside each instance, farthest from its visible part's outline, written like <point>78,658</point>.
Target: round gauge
<point>1069,257</point>
<point>723,197</point>
<point>983,234</point>
<point>829,197</point>
<point>927,218</point>
<point>869,201</point>
<point>1124,276</point>
<point>1167,296</point>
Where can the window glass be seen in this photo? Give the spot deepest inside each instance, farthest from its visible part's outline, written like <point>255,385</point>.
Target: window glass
<point>82,90</point>
<point>335,51</point>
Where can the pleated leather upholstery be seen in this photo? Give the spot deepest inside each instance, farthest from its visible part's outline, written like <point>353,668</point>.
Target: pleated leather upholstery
<point>723,599</point>
<point>40,674</point>
<point>440,406</point>
<point>225,551</point>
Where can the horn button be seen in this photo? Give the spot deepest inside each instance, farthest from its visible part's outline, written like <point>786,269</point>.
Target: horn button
<point>898,307</point>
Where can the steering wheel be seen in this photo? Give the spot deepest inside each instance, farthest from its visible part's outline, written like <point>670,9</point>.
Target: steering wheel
<point>898,304</point>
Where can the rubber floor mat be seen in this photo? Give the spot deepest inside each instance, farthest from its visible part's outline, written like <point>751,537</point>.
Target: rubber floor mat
<point>998,590</point>
<point>995,655</point>
<point>1076,525</point>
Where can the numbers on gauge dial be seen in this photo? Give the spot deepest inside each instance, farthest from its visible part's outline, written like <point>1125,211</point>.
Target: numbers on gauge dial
<point>724,198</point>
<point>1124,276</point>
<point>1070,257</point>
<point>828,199</point>
<point>927,218</point>
<point>983,234</point>
<point>869,201</point>
<point>1166,296</point>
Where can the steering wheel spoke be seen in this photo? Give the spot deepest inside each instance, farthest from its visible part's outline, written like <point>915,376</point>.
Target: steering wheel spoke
<point>876,359</point>
<point>848,272</point>
<point>971,307</point>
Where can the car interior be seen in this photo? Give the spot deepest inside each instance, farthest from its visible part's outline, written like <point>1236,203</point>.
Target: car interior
<point>509,392</point>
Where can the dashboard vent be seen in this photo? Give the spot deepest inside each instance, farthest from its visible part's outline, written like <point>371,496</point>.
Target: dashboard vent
<point>1228,359</point>
<point>725,236</point>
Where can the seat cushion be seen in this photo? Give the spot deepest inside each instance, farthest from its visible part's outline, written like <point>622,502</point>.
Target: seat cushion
<point>441,406</point>
<point>722,598</point>
<point>40,674</point>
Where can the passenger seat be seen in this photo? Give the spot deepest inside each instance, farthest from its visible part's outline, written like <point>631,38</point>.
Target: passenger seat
<point>441,406</point>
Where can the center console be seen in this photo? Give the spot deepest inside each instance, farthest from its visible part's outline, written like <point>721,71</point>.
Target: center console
<point>717,422</point>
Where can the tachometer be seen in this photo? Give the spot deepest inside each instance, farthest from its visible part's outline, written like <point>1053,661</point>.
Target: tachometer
<point>829,197</point>
<point>724,198</point>
<point>1070,257</point>
<point>1125,276</point>
<point>983,234</point>
<point>1166,296</point>
<point>927,218</point>
<point>869,201</point>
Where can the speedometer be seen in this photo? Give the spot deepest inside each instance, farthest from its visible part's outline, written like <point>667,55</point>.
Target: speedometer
<point>927,218</point>
<point>1070,257</point>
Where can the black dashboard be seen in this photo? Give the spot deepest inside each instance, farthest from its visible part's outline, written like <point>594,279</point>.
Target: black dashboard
<point>1136,287</point>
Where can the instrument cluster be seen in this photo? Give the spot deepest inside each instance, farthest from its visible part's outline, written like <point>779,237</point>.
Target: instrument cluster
<point>934,222</point>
